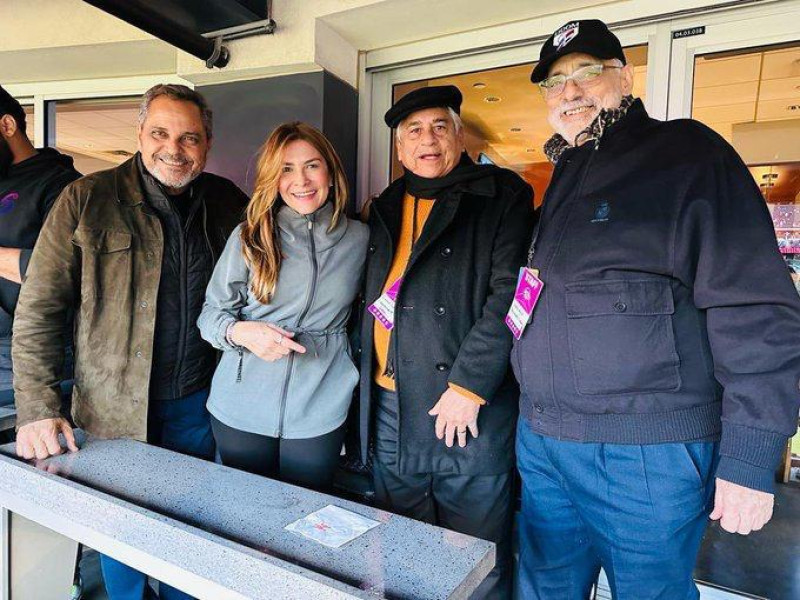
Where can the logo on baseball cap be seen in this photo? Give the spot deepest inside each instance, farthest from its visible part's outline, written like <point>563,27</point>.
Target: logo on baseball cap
<point>589,36</point>
<point>565,34</point>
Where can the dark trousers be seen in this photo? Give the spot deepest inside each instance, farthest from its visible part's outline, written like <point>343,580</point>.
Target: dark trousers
<point>476,505</point>
<point>309,462</point>
<point>637,511</point>
<point>7,374</point>
<point>183,426</point>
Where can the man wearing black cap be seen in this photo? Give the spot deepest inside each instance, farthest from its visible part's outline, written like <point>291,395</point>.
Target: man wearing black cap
<point>659,371</point>
<point>447,240</point>
<point>30,181</point>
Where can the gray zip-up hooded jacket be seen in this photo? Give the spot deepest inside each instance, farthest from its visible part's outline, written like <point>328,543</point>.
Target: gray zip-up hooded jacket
<point>301,395</point>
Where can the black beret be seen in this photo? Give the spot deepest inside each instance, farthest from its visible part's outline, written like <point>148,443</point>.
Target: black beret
<point>589,36</point>
<point>438,96</point>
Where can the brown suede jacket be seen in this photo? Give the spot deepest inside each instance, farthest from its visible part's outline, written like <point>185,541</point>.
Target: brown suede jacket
<point>99,253</point>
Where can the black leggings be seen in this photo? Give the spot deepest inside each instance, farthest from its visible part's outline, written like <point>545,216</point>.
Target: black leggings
<point>309,462</point>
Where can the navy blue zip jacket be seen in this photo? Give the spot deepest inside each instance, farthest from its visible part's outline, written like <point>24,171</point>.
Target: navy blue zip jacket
<point>667,313</point>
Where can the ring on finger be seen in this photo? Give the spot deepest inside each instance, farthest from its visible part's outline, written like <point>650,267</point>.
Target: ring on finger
<point>279,339</point>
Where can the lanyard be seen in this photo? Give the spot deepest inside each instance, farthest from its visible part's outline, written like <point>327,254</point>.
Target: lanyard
<point>414,225</point>
<point>532,249</point>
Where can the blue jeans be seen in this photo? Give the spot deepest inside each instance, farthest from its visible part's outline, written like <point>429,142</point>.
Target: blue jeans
<point>181,425</point>
<point>637,511</point>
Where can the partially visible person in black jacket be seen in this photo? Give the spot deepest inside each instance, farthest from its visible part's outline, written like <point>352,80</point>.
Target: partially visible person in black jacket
<point>437,397</point>
<point>662,361</point>
<point>30,181</point>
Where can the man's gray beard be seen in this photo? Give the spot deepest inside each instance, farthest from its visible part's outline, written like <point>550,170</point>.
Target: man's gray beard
<point>175,183</point>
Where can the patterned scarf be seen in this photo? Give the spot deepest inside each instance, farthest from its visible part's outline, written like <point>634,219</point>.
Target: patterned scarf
<point>556,145</point>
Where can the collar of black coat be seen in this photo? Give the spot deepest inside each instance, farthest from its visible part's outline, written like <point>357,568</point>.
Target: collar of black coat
<point>388,206</point>
<point>460,178</point>
<point>557,145</point>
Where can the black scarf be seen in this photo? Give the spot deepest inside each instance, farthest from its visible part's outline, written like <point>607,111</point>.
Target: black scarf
<point>556,145</point>
<point>433,188</point>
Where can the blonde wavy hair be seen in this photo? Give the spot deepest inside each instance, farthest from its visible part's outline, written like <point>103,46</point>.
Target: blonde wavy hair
<point>260,236</point>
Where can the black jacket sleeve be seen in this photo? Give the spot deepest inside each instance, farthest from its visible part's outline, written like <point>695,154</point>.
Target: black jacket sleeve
<point>50,193</point>
<point>482,361</point>
<point>725,249</point>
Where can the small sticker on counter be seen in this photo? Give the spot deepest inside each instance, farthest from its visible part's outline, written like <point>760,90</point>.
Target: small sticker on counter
<point>332,526</point>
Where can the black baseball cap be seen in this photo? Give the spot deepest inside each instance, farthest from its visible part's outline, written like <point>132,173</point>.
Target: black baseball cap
<point>436,96</point>
<point>589,36</point>
<point>9,106</point>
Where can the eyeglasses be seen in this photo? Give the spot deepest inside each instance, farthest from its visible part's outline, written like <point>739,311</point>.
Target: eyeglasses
<point>584,77</point>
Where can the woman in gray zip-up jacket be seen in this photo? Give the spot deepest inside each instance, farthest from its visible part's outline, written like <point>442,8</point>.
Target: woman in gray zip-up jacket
<point>277,306</point>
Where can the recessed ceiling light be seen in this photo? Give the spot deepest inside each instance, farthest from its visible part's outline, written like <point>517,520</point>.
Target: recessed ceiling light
<point>766,185</point>
<point>492,99</point>
<point>793,107</point>
<point>769,176</point>
<point>516,129</point>
<point>479,85</point>
<point>530,150</point>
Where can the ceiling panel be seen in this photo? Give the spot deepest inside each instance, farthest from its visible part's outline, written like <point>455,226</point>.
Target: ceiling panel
<point>736,93</point>
<point>99,134</point>
<point>781,63</point>
<point>726,113</point>
<point>755,87</point>
<point>714,71</point>
<point>781,89</point>
<point>773,110</point>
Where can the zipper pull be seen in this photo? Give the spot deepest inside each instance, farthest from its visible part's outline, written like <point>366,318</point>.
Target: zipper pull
<point>239,368</point>
<point>310,225</point>
<point>597,143</point>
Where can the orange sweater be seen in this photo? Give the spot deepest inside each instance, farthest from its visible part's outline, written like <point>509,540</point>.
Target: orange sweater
<point>408,235</point>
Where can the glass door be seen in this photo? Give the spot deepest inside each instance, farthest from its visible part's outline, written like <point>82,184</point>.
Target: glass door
<point>741,76</point>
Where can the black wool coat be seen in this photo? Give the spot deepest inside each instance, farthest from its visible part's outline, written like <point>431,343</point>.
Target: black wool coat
<point>449,319</point>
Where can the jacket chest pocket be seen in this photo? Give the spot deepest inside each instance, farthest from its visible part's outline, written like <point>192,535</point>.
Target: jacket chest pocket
<point>620,337</point>
<point>106,263</point>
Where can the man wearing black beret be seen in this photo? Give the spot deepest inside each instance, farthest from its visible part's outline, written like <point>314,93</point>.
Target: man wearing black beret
<point>659,372</point>
<point>438,401</point>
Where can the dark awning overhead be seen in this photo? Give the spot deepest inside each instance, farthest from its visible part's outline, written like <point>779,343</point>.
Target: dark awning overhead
<point>209,15</point>
<point>184,23</point>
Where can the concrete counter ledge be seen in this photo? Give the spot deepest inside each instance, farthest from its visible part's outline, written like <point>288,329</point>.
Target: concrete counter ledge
<point>218,533</point>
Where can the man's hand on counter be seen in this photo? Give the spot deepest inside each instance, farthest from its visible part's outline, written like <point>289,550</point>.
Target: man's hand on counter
<point>40,438</point>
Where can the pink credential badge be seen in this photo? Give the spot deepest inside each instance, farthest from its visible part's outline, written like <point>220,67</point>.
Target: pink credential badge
<point>529,288</point>
<point>383,308</point>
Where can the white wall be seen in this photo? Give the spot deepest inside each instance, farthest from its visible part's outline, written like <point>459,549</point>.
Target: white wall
<point>49,40</point>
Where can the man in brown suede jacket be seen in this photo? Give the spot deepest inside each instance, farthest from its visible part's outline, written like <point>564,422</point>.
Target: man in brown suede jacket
<point>131,251</point>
